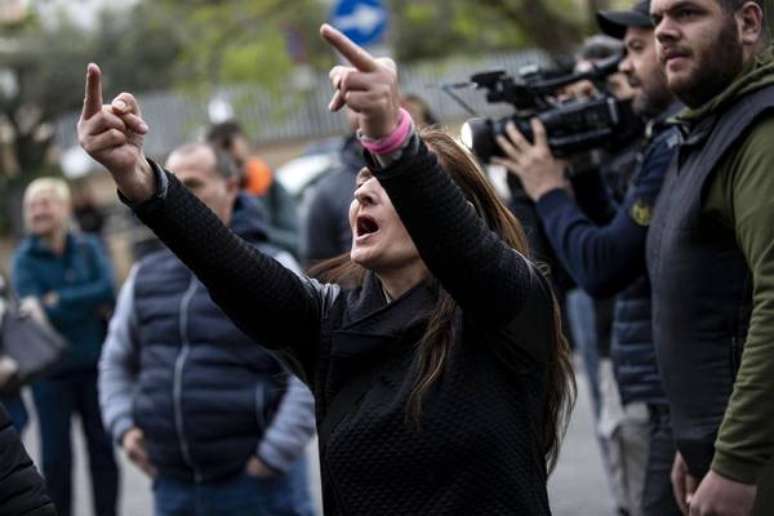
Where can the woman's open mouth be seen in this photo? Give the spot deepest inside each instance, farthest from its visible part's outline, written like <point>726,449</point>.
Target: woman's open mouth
<point>365,227</point>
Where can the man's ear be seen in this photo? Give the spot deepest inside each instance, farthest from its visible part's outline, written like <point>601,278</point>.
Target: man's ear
<point>232,186</point>
<point>750,21</point>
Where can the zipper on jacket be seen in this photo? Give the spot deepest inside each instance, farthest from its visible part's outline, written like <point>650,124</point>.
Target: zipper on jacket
<point>178,380</point>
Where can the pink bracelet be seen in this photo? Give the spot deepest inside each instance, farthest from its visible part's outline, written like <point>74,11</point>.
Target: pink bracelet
<point>392,141</point>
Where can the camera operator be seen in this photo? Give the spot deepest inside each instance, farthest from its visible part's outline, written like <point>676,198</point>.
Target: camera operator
<point>622,440</point>
<point>608,257</point>
<point>614,166</point>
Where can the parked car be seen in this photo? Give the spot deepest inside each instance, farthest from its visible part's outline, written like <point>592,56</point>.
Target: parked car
<point>300,174</point>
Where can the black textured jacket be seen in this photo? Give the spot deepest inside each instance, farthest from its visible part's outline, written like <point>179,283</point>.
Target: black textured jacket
<point>479,449</point>
<point>22,492</point>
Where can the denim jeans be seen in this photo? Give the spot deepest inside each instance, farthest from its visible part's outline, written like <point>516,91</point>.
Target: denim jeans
<point>580,314</point>
<point>284,495</point>
<point>57,400</point>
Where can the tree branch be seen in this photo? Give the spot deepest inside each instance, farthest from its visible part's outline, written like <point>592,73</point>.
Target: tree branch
<point>533,17</point>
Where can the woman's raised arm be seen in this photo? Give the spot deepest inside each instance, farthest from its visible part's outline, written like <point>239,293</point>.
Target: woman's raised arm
<point>483,274</point>
<point>268,302</point>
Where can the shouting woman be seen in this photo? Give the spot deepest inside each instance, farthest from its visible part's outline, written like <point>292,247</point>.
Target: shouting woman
<point>441,378</point>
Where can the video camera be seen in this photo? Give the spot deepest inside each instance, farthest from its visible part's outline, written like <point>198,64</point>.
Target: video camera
<point>572,126</point>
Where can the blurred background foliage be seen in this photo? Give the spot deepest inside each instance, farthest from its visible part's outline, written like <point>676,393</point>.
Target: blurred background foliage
<point>198,45</point>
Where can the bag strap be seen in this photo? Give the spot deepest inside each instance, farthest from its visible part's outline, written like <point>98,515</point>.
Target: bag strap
<point>11,296</point>
<point>343,403</point>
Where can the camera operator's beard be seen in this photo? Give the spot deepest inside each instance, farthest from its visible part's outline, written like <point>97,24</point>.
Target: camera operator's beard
<point>716,68</point>
<point>652,100</point>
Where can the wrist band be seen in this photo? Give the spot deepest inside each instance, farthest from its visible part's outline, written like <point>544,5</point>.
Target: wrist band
<point>392,141</point>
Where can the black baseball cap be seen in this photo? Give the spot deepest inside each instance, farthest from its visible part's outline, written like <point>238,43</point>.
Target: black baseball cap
<point>615,23</point>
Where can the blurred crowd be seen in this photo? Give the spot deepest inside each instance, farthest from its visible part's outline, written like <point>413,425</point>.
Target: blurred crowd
<point>660,256</point>
<point>154,368</point>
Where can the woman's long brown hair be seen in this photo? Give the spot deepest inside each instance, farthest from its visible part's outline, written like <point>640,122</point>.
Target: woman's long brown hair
<point>434,347</point>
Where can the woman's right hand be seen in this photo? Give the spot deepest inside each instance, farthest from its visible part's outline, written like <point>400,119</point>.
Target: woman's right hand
<point>369,87</point>
<point>113,135</point>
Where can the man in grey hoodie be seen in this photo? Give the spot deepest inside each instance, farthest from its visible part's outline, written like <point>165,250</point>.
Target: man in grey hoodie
<point>194,402</point>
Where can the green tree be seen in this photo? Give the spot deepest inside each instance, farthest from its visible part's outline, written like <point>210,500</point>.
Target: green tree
<point>43,70</point>
<point>424,29</point>
<point>249,48</point>
<point>200,45</point>
<point>228,42</point>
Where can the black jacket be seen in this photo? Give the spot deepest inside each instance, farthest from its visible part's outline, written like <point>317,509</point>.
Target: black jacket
<point>607,257</point>
<point>479,449</point>
<point>22,491</point>
<point>224,390</point>
<point>702,284</point>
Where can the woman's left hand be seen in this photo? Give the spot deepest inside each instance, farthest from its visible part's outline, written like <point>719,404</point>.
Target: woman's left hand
<point>369,87</point>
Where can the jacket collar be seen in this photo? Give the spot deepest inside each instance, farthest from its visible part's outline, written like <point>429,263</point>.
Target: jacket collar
<point>371,323</point>
<point>39,247</point>
<point>758,74</point>
<point>665,119</point>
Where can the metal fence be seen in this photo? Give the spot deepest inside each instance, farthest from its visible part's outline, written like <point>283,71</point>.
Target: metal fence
<point>175,117</point>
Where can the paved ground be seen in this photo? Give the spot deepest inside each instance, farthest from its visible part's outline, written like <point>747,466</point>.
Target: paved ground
<point>577,487</point>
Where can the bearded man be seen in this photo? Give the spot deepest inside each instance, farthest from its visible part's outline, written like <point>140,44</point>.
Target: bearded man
<point>711,253</point>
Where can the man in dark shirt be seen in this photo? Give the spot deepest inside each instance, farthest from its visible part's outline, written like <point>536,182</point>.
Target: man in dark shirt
<point>607,257</point>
